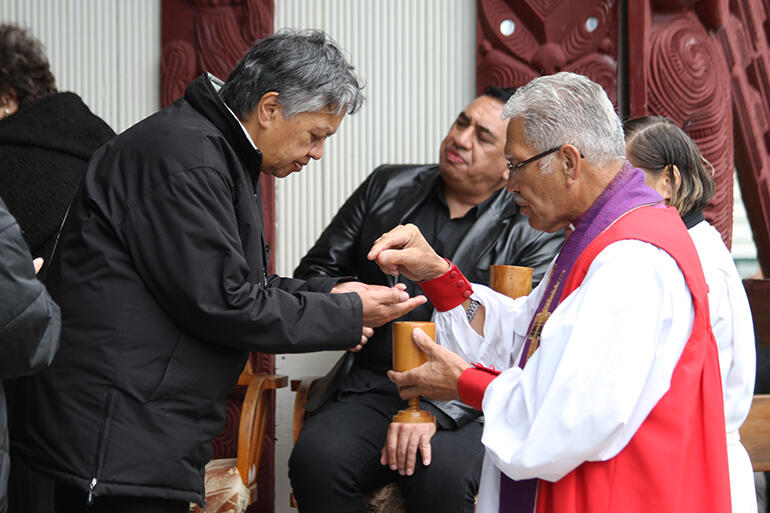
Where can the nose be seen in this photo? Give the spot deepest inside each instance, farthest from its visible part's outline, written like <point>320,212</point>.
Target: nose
<point>463,137</point>
<point>316,151</point>
<point>513,182</point>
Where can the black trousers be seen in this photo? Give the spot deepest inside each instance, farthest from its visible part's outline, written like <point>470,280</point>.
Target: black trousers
<point>337,459</point>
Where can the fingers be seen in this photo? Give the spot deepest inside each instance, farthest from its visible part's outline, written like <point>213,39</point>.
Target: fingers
<point>425,448</point>
<point>408,455</point>
<point>389,450</point>
<point>396,238</point>
<point>407,306</point>
<point>423,341</point>
<point>389,296</point>
<point>402,444</point>
<point>405,382</point>
<point>365,336</point>
<point>38,263</point>
<point>385,307</point>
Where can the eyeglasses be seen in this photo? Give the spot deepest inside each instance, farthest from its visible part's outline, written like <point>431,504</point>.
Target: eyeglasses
<point>514,168</point>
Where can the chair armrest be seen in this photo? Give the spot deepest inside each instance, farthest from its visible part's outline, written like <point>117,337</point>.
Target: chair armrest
<point>758,294</point>
<point>302,387</point>
<point>253,426</point>
<point>755,433</point>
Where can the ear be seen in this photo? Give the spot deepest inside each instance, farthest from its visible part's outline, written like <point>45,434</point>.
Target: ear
<point>267,110</point>
<point>8,103</point>
<point>677,177</point>
<point>573,165</point>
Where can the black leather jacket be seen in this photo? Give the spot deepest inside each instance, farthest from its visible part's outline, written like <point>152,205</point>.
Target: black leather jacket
<point>388,197</point>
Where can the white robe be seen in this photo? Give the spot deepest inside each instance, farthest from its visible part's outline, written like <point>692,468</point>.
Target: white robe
<point>734,332</point>
<point>606,357</point>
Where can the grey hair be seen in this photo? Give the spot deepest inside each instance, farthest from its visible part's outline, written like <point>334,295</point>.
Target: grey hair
<point>567,108</point>
<point>306,68</point>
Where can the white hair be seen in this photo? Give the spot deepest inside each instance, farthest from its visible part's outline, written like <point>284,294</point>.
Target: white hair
<point>567,108</point>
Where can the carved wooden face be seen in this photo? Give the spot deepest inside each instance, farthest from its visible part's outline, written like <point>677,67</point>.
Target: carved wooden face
<point>471,157</point>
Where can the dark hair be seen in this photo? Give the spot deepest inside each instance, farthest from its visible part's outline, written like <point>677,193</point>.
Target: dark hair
<point>501,93</point>
<point>656,145</point>
<point>307,70</point>
<point>24,70</point>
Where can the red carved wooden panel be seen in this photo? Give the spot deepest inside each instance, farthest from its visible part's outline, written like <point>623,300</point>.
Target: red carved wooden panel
<point>212,35</point>
<point>744,39</point>
<point>675,67</point>
<point>517,40</point>
<point>685,78</point>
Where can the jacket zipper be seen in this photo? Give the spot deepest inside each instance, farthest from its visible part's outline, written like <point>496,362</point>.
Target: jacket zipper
<point>90,498</point>
<point>99,446</point>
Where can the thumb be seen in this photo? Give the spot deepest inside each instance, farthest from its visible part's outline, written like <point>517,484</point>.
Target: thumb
<point>391,296</point>
<point>423,341</point>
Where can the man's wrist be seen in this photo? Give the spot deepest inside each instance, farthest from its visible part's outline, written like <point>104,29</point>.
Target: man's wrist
<point>448,290</point>
<point>473,383</point>
<point>440,269</point>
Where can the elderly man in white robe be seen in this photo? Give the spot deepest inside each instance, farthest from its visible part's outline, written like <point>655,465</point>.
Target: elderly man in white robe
<point>609,397</point>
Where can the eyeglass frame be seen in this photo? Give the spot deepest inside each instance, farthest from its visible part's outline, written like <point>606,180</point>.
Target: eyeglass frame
<point>514,168</point>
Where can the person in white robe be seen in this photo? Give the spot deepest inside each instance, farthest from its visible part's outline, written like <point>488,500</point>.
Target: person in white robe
<point>582,395</point>
<point>675,168</point>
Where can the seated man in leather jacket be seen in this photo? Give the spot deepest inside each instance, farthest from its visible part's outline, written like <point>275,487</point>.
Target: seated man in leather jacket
<point>462,207</point>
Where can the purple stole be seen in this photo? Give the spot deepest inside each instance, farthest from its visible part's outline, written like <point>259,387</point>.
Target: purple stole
<point>625,192</point>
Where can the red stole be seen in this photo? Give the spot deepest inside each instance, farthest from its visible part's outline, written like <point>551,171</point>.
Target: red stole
<point>677,459</point>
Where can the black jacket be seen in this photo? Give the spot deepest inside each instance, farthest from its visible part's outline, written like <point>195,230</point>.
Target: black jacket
<point>162,279</point>
<point>29,323</point>
<point>44,150</point>
<point>389,197</point>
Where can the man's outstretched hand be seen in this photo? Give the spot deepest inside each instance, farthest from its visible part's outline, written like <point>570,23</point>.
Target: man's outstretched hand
<point>403,250</point>
<point>381,304</point>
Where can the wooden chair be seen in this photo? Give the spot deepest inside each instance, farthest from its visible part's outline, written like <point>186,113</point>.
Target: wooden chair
<point>755,432</point>
<point>513,281</point>
<point>387,499</point>
<point>231,483</point>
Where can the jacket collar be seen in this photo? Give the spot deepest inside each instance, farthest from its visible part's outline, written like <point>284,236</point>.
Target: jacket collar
<point>484,232</point>
<point>202,95</point>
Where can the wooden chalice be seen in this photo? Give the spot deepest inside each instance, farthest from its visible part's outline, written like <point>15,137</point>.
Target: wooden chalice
<point>511,280</point>
<point>407,356</point>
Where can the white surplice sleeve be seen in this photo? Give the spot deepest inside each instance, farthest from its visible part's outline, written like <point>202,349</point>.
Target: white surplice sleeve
<point>505,327</point>
<point>606,357</point>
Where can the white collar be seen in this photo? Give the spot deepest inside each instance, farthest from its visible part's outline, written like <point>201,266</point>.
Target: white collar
<point>217,85</point>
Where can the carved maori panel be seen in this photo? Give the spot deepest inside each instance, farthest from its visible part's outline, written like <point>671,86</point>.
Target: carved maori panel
<point>212,35</point>
<point>675,67</point>
<point>522,39</point>
<point>744,40</point>
<point>686,81</point>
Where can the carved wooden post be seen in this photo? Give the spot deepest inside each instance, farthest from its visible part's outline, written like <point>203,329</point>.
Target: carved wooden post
<point>212,35</point>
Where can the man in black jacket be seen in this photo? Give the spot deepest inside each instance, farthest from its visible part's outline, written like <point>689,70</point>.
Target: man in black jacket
<point>463,206</point>
<point>162,279</point>
<point>29,323</point>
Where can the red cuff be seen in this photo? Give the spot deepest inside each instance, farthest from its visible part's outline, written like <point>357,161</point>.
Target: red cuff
<point>448,290</point>
<point>473,383</point>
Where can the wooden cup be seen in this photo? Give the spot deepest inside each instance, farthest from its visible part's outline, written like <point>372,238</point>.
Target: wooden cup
<point>511,280</point>
<point>407,356</point>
